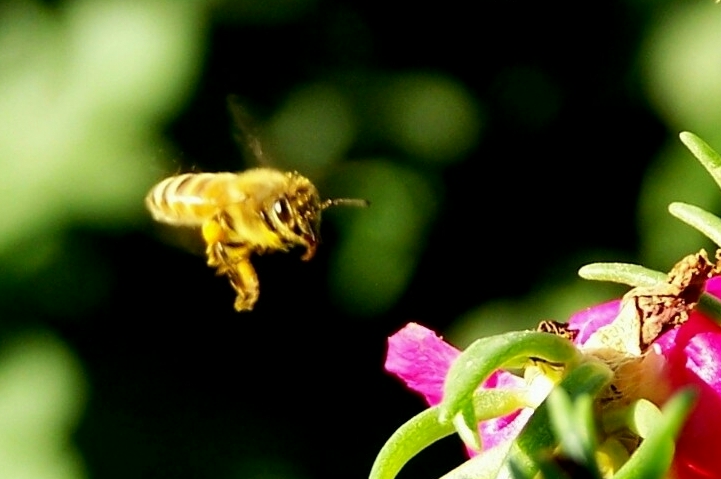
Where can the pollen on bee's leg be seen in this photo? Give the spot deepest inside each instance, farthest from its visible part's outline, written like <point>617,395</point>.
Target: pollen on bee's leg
<point>212,232</point>
<point>244,281</point>
<point>243,303</point>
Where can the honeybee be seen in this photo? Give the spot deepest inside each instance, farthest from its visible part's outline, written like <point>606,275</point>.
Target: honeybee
<point>256,211</point>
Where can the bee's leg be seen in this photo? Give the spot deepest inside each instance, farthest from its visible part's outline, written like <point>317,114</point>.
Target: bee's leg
<point>242,276</point>
<point>217,257</point>
<point>233,260</point>
<point>214,236</point>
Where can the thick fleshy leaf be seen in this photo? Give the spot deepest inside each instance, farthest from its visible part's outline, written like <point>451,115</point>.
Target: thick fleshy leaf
<point>704,153</point>
<point>411,438</point>
<point>637,276</point>
<point>700,219</point>
<point>425,428</point>
<point>640,417</point>
<point>536,438</point>
<point>653,457</point>
<point>487,355</point>
<point>623,273</point>
<point>573,425</point>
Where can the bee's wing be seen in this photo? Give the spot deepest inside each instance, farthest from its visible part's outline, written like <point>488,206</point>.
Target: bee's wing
<point>246,132</point>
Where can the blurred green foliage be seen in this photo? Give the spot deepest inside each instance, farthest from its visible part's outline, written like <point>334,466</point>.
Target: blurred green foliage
<point>314,128</point>
<point>376,258</point>
<point>83,90</point>
<point>42,393</point>
<point>80,126</point>
<point>682,64</point>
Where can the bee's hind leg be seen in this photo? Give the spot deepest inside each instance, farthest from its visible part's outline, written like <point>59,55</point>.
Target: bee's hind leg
<point>214,237</point>
<point>232,260</point>
<point>244,281</point>
<point>217,258</point>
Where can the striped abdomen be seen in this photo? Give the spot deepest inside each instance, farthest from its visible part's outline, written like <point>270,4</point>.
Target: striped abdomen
<point>192,198</point>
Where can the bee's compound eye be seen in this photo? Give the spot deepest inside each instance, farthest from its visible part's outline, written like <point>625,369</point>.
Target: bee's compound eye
<point>282,209</point>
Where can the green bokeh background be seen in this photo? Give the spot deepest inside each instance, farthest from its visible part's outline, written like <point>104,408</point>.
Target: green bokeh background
<point>502,146</point>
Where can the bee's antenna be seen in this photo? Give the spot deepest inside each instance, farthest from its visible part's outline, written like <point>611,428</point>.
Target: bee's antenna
<point>357,202</point>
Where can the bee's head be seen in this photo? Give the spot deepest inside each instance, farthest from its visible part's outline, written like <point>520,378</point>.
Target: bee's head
<point>296,213</point>
<point>301,208</point>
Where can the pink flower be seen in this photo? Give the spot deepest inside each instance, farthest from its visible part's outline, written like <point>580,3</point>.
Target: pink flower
<point>421,359</point>
<point>687,356</point>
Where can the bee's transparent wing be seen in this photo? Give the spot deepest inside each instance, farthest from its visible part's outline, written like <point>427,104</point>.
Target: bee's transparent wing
<point>245,132</point>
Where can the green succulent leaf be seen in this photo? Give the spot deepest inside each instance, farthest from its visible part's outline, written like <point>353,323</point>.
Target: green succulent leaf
<point>640,417</point>
<point>573,424</point>
<point>536,439</point>
<point>639,276</point>
<point>653,457</point>
<point>411,438</point>
<point>623,273</point>
<point>700,219</point>
<point>487,355</point>
<point>466,425</point>
<point>425,428</point>
<point>704,153</point>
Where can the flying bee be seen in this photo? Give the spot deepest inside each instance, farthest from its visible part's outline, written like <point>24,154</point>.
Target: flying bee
<point>256,211</point>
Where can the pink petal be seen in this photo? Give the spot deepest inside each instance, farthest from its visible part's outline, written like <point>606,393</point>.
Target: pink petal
<point>586,322</point>
<point>421,359</point>
<point>693,358</point>
<point>503,429</point>
<point>713,286</point>
<point>506,428</point>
